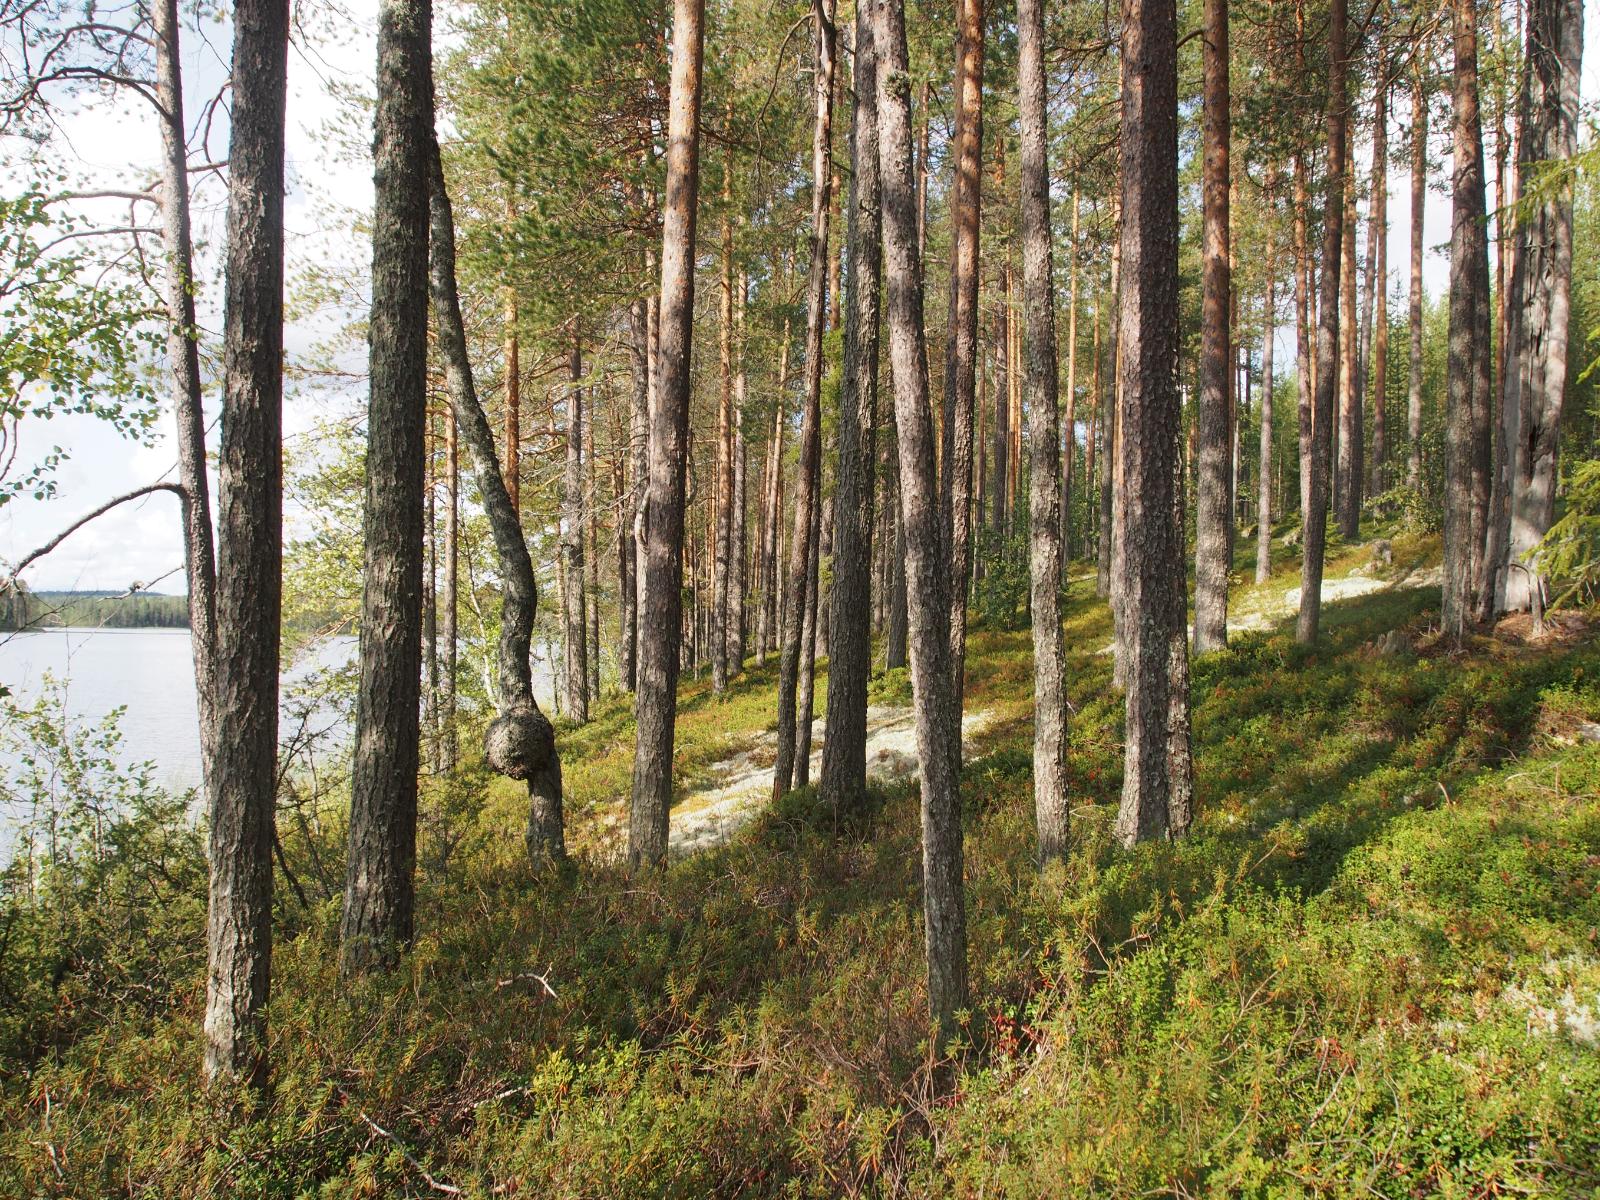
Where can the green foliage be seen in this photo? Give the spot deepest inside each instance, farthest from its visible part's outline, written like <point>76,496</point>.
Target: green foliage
<point>1001,592</point>
<point>103,890</point>
<point>1370,969</point>
<point>1570,551</point>
<point>72,339</point>
<point>1416,509</point>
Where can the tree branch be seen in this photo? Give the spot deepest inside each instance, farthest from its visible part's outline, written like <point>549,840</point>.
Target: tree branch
<point>27,560</point>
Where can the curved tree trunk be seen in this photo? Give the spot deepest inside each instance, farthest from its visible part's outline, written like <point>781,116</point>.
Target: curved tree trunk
<point>520,743</point>
<point>183,358</point>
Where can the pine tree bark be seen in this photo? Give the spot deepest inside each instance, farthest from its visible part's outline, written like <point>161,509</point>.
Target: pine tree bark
<point>769,634</point>
<point>574,614</point>
<point>380,899</point>
<point>520,742</point>
<point>1046,528</point>
<point>250,560</point>
<point>1154,605</point>
<point>1378,218</point>
<point>629,514</point>
<point>1540,303</point>
<point>843,782</point>
<point>1419,196</point>
<point>1269,326</point>
<point>1109,403</point>
<point>1068,434</point>
<point>1000,434</point>
<point>1315,540</point>
<point>927,573</point>
<point>737,553</point>
<point>809,470</point>
<point>183,363</point>
<point>1348,454</point>
<point>723,464</point>
<point>805,702</point>
<point>512,457</point>
<point>660,614</point>
<point>448,742</point>
<point>1467,419</point>
<point>591,559</point>
<point>1214,418</point>
<point>1305,365</point>
<point>961,342</point>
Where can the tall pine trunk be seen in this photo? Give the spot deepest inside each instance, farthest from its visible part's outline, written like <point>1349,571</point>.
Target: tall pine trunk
<point>1467,368</point>
<point>1378,217</point>
<point>927,564</point>
<point>1269,323</point>
<point>1540,302</point>
<point>1419,196</point>
<point>1305,367</point>
<point>1315,540</point>
<point>808,488</point>
<point>737,551</point>
<point>448,744</point>
<point>844,752</point>
<point>1067,424</point>
<point>1044,505</point>
<point>961,342</point>
<point>380,899</point>
<point>660,613</point>
<point>1153,603</point>
<point>574,614</point>
<point>723,463</point>
<point>250,560</point>
<point>1214,418</point>
<point>1348,453</point>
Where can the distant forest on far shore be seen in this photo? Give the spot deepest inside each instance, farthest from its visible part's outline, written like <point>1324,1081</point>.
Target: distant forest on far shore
<point>114,610</point>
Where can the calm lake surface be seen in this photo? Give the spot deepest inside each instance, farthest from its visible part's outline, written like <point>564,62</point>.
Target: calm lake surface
<point>149,672</point>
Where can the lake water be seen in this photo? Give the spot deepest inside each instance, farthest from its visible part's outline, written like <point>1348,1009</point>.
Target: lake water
<point>149,672</point>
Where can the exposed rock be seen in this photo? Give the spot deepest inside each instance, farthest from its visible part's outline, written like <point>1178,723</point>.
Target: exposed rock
<point>711,815</point>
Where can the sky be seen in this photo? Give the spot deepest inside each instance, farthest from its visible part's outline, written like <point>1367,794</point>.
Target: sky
<point>332,56</point>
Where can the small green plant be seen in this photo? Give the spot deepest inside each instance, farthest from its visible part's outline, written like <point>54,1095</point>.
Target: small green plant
<point>1002,579</point>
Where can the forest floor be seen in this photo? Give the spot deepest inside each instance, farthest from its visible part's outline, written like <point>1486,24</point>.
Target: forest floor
<point>741,783</point>
<point>1372,969</point>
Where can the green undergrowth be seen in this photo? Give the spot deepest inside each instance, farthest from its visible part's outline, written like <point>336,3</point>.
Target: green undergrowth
<point>1372,969</point>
